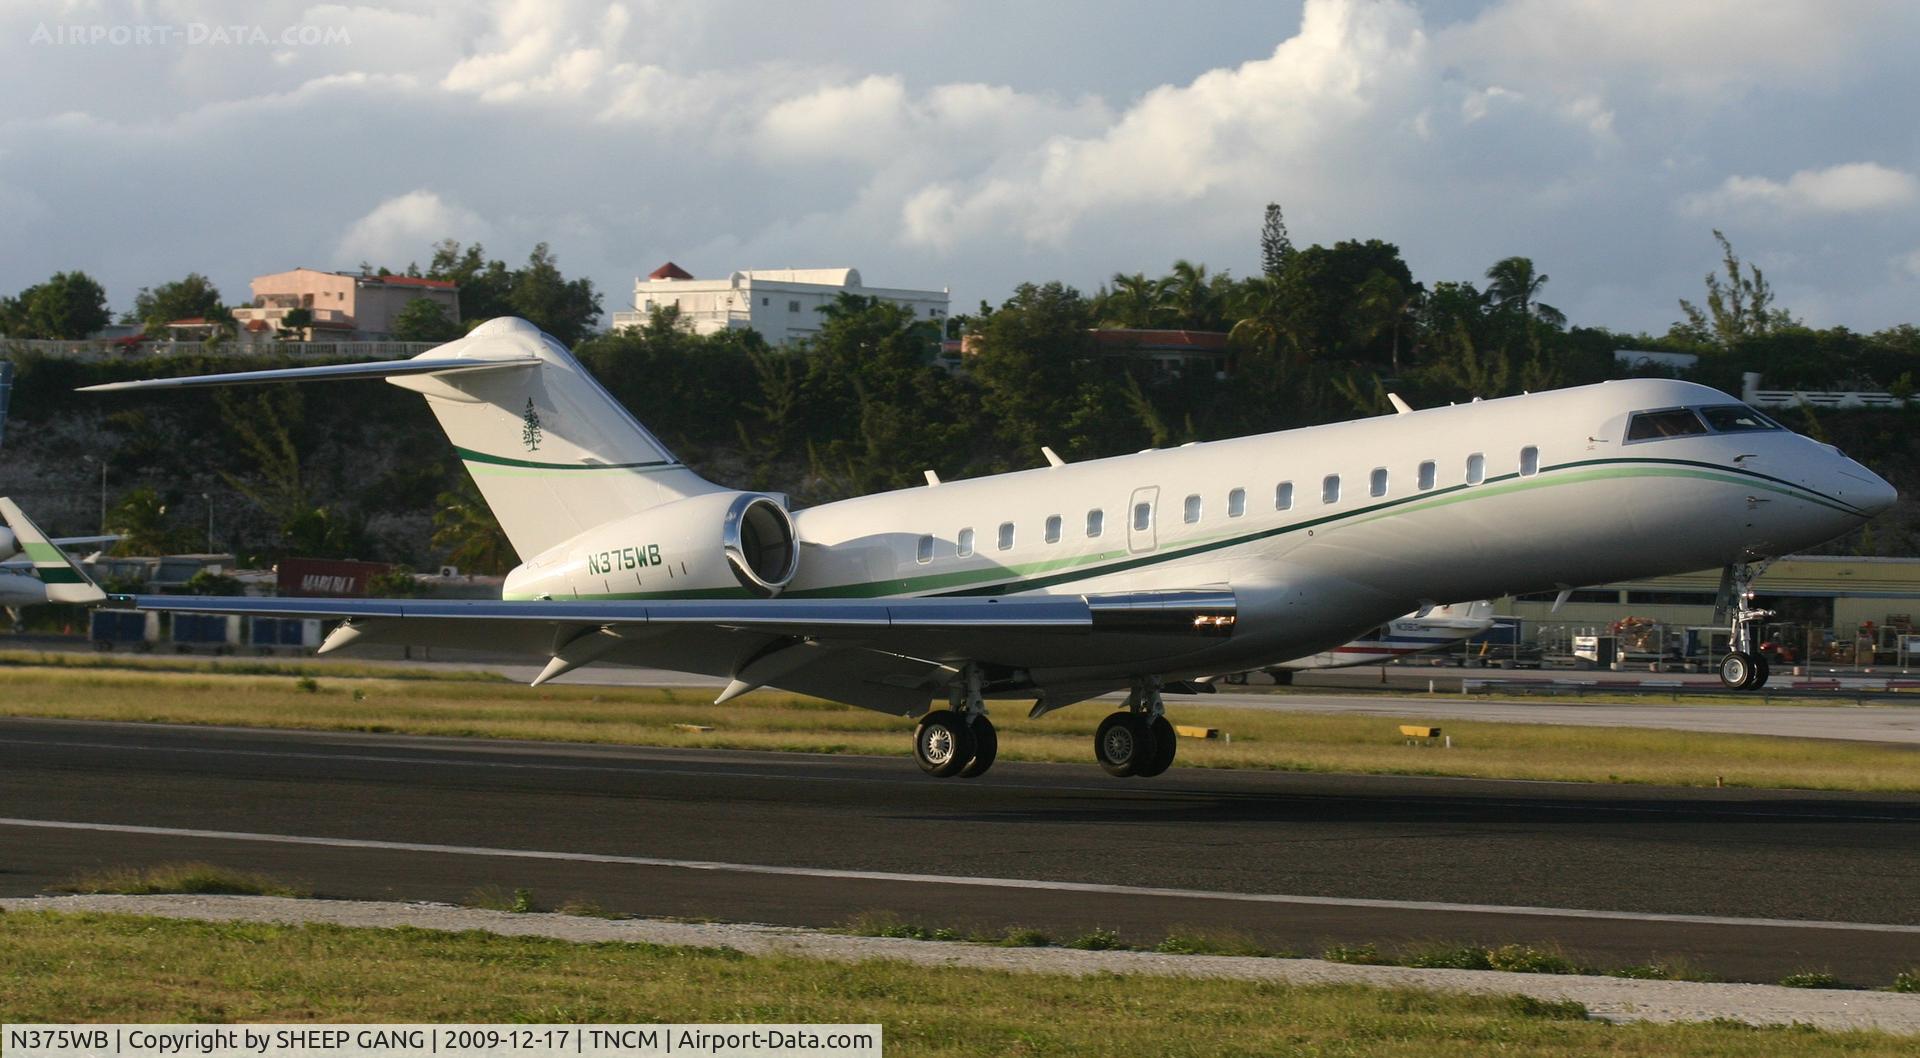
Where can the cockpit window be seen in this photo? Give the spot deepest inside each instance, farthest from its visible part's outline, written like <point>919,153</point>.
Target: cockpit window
<point>1734,418</point>
<point>1653,425</point>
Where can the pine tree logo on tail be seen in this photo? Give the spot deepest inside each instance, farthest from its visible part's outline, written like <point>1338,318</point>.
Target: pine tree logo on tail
<point>530,431</point>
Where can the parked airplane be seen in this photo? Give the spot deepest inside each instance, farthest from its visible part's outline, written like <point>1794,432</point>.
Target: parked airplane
<point>1064,582</point>
<point>59,580</point>
<point>1416,633</point>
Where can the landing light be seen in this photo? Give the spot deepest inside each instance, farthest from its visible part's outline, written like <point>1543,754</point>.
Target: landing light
<point>1213,621</point>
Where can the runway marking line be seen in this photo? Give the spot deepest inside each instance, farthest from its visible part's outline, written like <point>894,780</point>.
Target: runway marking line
<point>940,879</point>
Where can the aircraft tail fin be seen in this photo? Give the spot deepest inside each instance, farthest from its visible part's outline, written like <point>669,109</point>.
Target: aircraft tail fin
<point>552,452</point>
<point>63,577</point>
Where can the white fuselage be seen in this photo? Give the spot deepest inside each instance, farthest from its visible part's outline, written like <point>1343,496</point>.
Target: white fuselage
<point>1523,494</point>
<point>19,589</point>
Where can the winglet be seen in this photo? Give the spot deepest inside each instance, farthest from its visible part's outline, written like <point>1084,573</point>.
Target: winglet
<point>63,578</point>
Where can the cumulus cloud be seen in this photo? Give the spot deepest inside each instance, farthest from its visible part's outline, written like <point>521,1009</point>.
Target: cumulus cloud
<point>399,228</point>
<point>1857,187</point>
<point>985,144</point>
<point>1238,127</point>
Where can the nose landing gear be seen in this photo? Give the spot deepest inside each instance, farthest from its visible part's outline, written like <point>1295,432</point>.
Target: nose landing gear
<point>1744,668</point>
<point>1138,741</point>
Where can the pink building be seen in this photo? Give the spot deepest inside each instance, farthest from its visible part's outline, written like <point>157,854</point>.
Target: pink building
<point>346,306</point>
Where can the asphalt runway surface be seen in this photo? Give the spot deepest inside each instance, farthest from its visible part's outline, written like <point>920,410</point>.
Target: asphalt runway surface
<point>1747,885</point>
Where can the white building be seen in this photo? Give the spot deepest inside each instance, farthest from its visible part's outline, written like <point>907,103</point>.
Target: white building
<point>782,304</point>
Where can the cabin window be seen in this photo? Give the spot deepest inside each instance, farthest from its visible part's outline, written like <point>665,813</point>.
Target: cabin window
<point>1736,418</point>
<point>1653,425</point>
<point>1193,510</point>
<point>1377,484</point>
<point>1142,517</point>
<point>1476,469</point>
<point>1236,503</point>
<point>964,545</point>
<point>1096,522</point>
<point>1330,489</point>
<point>1426,475</point>
<point>1053,528</point>
<point>1529,461</point>
<point>925,553</point>
<point>1006,536</point>
<point>1283,496</point>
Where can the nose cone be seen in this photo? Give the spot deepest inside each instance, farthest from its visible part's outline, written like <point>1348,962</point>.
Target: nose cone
<point>1875,494</point>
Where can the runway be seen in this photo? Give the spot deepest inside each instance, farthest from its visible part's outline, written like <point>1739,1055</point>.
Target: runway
<point>1745,884</point>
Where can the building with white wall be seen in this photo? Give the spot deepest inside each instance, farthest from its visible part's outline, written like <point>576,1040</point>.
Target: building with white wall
<point>782,304</point>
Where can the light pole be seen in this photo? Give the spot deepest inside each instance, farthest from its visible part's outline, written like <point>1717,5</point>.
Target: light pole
<point>209,498</point>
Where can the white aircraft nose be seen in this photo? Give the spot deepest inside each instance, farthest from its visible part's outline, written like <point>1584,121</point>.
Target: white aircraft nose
<point>1875,494</point>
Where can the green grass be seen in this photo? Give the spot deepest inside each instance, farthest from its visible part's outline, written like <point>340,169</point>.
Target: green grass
<point>318,698</point>
<point>236,666</point>
<point>179,878</point>
<point>86,967</point>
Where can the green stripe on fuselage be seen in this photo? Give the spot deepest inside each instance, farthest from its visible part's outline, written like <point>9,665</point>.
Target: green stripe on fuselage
<point>1067,571</point>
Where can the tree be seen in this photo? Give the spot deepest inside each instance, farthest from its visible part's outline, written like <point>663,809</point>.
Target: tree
<point>207,582</point>
<point>486,287</point>
<point>396,583</point>
<point>1276,249</point>
<point>424,320</point>
<point>294,325</point>
<point>561,307</point>
<point>465,528</point>
<point>1514,286</point>
<point>1740,307</point>
<point>70,305</point>
<point>183,299</point>
<point>1131,301</point>
<point>140,521</point>
<point>1191,299</point>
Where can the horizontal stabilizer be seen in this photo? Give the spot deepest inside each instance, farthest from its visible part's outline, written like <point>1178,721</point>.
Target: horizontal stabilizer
<point>325,372</point>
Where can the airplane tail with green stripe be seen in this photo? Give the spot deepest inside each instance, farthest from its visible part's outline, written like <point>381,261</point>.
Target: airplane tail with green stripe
<point>63,577</point>
<point>552,452</point>
<point>550,449</point>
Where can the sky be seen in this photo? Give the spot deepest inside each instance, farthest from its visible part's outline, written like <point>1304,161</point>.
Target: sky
<point>974,146</point>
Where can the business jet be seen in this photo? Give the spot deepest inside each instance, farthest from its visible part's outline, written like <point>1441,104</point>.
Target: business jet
<point>1138,573</point>
<point>59,579</point>
<point>1420,632</point>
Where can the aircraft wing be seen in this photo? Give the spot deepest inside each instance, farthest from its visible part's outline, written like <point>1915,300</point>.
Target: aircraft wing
<point>885,654</point>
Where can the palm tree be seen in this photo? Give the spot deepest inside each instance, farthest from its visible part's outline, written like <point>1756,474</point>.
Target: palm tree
<point>1132,300</point>
<point>1264,327</point>
<point>1514,285</point>
<point>1189,296</point>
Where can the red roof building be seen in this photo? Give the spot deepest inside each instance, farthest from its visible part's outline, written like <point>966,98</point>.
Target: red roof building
<point>669,271</point>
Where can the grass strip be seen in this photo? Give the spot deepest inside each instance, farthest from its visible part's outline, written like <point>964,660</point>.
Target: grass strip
<point>233,666</point>
<point>781,721</point>
<point>58,967</point>
<point>178,878</point>
<point>1507,958</point>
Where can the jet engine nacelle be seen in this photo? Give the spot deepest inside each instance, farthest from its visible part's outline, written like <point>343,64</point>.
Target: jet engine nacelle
<point>718,543</point>
<point>9,544</point>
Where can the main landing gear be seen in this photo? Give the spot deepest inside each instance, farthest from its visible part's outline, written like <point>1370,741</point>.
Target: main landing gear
<point>1745,667</point>
<point>1137,741</point>
<point>958,741</point>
